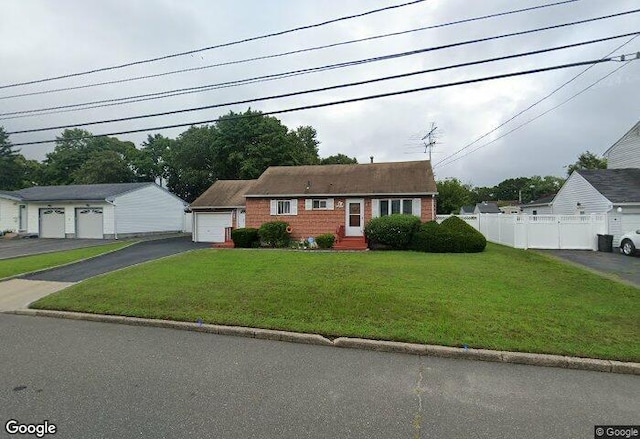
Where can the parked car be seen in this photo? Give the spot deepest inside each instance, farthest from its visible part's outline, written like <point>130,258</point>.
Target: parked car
<point>630,242</point>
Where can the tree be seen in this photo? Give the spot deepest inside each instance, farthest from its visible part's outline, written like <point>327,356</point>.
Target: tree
<point>151,161</point>
<point>106,166</point>
<point>74,148</point>
<point>338,159</point>
<point>587,160</point>
<point>452,195</point>
<point>10,171</point>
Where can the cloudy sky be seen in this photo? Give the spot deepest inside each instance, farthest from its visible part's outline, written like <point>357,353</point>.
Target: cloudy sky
<point>42,39</point>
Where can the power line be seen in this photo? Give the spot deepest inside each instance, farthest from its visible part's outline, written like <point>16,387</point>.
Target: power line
<point>292,52</point>
<point>263,78</point>
<point>542,114</point>
<point>217,46</point>
<point>321,89</point>
<point>532,105</point>
<point>340,102</point>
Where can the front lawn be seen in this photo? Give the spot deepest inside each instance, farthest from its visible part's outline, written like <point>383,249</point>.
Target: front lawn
<point>502,298</point>
<point>27,264</point>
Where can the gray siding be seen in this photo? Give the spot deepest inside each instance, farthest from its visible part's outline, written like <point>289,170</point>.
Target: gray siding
<point>626,152</point>
<point>9,215</point>
<point>150,209</point>
<point>578,190</point>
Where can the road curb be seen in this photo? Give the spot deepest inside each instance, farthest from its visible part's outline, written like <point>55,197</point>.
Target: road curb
<point>546,360</point>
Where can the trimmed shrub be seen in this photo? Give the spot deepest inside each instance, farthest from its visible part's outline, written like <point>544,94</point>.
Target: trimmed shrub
<point>468,239</point>
<point>431,237</point>
<point>245,238</point>
<point>326,241</point>
<point>395,231</point>
<point>274,234</point>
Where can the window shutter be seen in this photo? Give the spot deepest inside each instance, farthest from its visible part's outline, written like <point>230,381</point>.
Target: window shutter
<point>375,208</point>
<point>416,206</point>
<point>274,207</point>
<point>308,204</point>
<point>294,207</point>
<point>329,203</point>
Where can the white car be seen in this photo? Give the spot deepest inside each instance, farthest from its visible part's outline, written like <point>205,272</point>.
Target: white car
<point>630,243</point>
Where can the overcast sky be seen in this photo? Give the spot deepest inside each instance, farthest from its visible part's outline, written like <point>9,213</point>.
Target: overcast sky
<point>41,38</point>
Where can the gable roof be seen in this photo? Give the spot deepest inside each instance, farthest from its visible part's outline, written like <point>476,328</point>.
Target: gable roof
<point>542,201</point>
<point>617,185</point>
<point>224,193</point>
<point>467,209</point>
<point>78,192</point>
<point>634,131</point>
<point>9,195</point>
<point>397,178</point>
<point>488,207</point>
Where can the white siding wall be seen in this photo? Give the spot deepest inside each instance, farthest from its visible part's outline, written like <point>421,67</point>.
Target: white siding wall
<point>626,153</point>
<point>149,209</point>
<point>33,212</point>
<point>578,190</point>
<point>9,215</point>
<point>540,210</point>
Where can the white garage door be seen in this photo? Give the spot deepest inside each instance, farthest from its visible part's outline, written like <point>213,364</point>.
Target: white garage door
<point>210,226</point>
<point>89,223</point>
<point>52,222</point>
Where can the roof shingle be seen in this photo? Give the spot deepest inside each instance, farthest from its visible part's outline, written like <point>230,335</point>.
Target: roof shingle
<point>617,185</point>
<point>224,193</point>
<point>401,178</point>
<point>77,192</point>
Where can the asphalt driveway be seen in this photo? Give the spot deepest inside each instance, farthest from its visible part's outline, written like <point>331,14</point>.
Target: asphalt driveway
<point>135,254</point>
<point>12,248</point>
<point>623,267</point>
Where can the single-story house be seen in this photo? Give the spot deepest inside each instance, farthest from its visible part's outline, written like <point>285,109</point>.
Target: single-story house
<point>218,209</point>
<point>541,206</point>
<point>98,211</point>
<point>510,209</point>
<point>615,192</point>
<point>320,199</point>
<point>487,207</point>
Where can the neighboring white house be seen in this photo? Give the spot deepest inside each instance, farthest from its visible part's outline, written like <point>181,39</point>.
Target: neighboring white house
<point>541,206</point>
<point>615,192</point>
<point>487,207</point>
<point>625,153</point>
<point>98,211</point>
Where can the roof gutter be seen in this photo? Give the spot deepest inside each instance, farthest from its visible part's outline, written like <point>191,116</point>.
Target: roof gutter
<point>407,194</point>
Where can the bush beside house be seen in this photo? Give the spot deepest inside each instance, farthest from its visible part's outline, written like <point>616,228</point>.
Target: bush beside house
<point>392,231</point>
<point>245,237</point>
<point>275,234</point>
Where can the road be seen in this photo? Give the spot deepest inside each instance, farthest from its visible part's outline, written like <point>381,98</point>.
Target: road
<point>135,254</point>
<point>99,380</point>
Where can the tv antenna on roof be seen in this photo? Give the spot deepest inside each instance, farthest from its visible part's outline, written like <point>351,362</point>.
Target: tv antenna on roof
<point>429,139</point>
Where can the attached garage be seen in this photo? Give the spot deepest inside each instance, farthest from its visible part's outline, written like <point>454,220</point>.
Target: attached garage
<point>89,223</point>
<point>52,222</point>
<point>210,226</point>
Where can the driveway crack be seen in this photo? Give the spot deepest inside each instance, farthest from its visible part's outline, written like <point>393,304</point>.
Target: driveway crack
<point>418,390</point>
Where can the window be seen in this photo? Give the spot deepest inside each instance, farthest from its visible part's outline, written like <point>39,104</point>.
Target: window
<point>405,207</point>
<point>284,207</point>
<point>318,204</point>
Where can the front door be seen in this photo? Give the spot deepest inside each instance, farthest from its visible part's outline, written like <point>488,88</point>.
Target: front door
<point>354,221</point>
<point>242,214</point>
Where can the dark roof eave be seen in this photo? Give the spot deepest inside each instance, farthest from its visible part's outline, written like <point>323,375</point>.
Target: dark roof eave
<point>417,194</point>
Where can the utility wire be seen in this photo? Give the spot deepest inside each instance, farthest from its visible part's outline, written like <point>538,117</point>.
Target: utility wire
<point>544,98</point>
<point>340,102</point>
<point>322,89</point>
<point>217,46</point>
<point>263,78</point>
<point>292,52</point>
<point>542,114</point>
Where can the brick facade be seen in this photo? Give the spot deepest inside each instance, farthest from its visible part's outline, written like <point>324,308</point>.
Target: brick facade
<point>316,222</point>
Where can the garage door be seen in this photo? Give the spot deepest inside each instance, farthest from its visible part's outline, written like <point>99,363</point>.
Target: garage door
<point>52,222</point>
<point>210,226</point>
<point>89,223</point>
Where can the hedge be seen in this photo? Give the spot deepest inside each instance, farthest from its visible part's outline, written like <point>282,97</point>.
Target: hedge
<point>326,241</point>
<point>274,234</point>
<point>245,238</point>
<point>394,231</point>
<point>452,236</point>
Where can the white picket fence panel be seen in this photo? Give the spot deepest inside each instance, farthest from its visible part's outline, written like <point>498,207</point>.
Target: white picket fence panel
<point>569,232</point>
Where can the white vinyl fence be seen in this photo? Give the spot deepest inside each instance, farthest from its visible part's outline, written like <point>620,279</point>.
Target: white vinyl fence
<point>575,232</point>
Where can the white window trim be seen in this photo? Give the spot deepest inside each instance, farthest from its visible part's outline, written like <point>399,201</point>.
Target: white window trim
<point>293,207</point>
<point>308,204</point>
<point>416,206</point>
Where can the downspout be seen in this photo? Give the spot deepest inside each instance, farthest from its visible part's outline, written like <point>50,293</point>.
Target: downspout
<point>433,207</point>
<point>115,224</point>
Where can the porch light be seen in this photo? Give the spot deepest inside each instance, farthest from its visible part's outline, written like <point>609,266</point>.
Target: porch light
<point>619,209</point>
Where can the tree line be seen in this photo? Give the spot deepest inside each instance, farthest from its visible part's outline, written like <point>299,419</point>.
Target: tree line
<point>238,146</point>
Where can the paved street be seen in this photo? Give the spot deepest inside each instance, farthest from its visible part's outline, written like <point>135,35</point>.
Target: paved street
<point>11,248</point>
<point>97,380</point>
<point>135,254</point>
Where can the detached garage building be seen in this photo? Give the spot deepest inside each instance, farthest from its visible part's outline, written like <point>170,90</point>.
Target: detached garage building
<point>99,211</point>
<point>219,209</point>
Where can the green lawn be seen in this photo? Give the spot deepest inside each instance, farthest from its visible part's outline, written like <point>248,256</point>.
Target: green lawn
<point>500,299</point>
<point>26,264</point>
